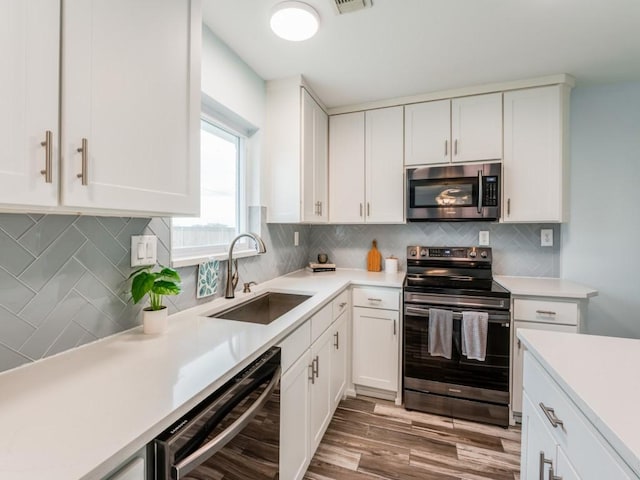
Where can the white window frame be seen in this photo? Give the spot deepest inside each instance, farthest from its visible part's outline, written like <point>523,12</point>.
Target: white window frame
<point>196,255</point>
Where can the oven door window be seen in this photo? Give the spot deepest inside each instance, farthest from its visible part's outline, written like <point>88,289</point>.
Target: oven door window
<point>451,192</point>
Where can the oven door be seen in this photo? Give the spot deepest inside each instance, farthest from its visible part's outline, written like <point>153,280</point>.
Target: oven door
<point>465,192</point>
<point>488,379</point>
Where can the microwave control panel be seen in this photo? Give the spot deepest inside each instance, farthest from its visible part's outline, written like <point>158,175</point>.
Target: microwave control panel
<point>490,191</point>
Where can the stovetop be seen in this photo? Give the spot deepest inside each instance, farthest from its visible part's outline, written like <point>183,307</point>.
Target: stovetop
<point>452,271</point>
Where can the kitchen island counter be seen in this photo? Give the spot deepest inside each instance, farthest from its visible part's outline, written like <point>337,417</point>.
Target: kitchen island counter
<point>81,413</point>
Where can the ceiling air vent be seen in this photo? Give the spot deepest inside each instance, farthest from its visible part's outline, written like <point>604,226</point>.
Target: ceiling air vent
<point>348,6</point>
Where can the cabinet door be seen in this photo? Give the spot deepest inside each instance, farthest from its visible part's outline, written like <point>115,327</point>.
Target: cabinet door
<point>315,128</point>
<point>339,360</point>
<point>538,452</point>
<point>131,88</point>
<point>476,127</point>
<point>518,357</point>
<point>133,470</point>
<point>375,348</point>
<point>384,170</point>
<point>320,400</point>
<point>346,168</point>
<point>564,470</point>
<point>534,157</point>
<point>29,48</point>
<point>294,419</point>
<point>427,133</point>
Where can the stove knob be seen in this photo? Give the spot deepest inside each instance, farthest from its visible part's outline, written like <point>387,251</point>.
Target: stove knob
<point>423,253</point>
<point>483,254</point>
<point>413,253</point>
<point>472,254</point>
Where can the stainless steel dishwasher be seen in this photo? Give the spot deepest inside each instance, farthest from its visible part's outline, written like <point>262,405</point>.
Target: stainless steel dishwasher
<point>234,434</point>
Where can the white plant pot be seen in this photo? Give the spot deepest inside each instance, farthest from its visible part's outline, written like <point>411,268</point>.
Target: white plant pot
<point>155,321</point>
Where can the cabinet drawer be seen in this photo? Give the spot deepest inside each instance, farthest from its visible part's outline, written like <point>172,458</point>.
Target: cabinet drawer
<point>321,321</point>
<point>295,345</point>
<point>340,304</point>
<point>546,311</point>
<point>376,298</point>
<point>576,435</point>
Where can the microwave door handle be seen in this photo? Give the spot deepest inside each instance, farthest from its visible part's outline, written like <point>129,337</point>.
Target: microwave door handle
<point>205,452</point>
<point>479,192</point>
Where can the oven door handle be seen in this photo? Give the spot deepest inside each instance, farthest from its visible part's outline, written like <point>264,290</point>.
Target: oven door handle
<point>198,457</point>
<point>493,318</point>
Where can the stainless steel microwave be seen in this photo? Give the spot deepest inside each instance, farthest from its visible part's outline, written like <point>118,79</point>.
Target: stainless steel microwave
<point>454,192</point>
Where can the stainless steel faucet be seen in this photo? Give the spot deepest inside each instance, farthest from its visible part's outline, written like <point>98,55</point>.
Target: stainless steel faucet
<point>231,284</point>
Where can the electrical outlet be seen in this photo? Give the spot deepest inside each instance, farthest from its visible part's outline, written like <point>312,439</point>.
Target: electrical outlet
<point>296,239</point>
<point>546,237</point>
<point>483,238</point>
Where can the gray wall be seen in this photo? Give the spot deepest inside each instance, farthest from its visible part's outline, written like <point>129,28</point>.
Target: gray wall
<point>516,248</point>
<point>600,243</point>
<point>63,278</point>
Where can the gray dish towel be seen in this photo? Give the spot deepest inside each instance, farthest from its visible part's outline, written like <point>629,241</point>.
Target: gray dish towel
<point>440,332</point>
<point>474,335</point>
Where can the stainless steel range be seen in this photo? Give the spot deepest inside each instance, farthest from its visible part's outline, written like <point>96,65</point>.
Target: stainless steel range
<point>455,281</point>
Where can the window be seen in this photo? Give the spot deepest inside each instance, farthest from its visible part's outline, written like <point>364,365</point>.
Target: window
<point>222,207</point>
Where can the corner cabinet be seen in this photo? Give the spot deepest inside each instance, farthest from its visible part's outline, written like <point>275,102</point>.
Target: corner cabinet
<point>535,166</point>
<point>459,130</point>
<point>366,176</point>
<point>296,151</point>
<point>129,107</point>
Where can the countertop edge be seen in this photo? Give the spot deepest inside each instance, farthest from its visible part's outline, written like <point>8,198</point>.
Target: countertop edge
<point>545,287</point>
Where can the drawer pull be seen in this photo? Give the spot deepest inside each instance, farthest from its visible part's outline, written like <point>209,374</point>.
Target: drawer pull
<point>337,342</point>
<point>343,304</point>
<point>551,416</point>
<point>312,377</point>
<point>545,312</point>
<point>374,299</point>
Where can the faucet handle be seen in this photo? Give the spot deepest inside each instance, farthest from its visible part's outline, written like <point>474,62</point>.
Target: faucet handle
<point>236,276</point>
<point>247,287</point>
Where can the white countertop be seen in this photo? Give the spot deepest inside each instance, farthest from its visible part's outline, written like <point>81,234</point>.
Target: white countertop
<point>600,375</point>
<point>545,287</point>
<point>79,414</point>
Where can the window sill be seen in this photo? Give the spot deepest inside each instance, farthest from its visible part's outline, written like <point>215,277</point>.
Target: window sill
<point>198,259</point>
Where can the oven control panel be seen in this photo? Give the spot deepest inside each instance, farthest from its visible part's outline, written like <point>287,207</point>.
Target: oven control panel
<point>454,253</point>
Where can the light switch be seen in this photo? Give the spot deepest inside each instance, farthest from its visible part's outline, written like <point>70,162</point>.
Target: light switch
<point>143,250</point>
<point>483,238</point>
<point>546,237</point>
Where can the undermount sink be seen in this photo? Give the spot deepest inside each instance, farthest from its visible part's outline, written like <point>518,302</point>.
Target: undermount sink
<point>264,308</point>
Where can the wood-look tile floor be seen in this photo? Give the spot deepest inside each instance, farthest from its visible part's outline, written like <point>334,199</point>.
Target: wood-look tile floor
<point>374,439</point>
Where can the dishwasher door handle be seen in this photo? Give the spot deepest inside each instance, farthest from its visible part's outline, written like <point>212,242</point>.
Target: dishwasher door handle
<point>198,457</point>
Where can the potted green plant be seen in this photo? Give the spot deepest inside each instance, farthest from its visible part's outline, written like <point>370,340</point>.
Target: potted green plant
<point>156,285</point>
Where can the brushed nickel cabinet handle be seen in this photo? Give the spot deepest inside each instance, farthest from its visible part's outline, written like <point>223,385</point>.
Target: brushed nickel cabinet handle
<point>455,147</point>
<point>551,416</point>
<point>508,206</point>
<point>395,330</point>
<point>545,312</point>
<point>84,150</point>
<point>317,362</point>
<point>337,342</point>
<point>368,209</point>
<point>48,154</point>
<point>320,208</point>
<point>446,148</point>
<point>374,299</point>
<point>343,304</point>
<point>543,461</point>
<point>312,377</point>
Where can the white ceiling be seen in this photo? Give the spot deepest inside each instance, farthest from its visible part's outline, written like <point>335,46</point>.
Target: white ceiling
<point>407,47</point>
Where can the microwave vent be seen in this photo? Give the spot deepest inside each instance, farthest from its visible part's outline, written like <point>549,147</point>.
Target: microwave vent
<point>348,6</point>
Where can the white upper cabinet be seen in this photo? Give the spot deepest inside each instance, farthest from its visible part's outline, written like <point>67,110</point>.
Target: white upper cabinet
<point>131,99</point>
<point>427,133</point>
<point>129,103</point>
<point>465,129</point>
<point>29,48</point>
<point>476,127</point>
<point>366,167</point>
<point>535,158</point>
<point>296,152</point>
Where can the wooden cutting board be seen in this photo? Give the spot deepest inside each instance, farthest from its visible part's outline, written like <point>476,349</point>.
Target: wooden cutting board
<point>374,258</point>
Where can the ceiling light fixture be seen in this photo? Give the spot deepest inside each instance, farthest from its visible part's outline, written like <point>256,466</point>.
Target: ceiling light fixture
<point>294,21</point>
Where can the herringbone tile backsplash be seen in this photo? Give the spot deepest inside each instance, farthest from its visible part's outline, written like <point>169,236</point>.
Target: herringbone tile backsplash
<point>63,278</point>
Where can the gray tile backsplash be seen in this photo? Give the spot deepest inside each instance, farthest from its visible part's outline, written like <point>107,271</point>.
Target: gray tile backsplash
<point>63,278</point>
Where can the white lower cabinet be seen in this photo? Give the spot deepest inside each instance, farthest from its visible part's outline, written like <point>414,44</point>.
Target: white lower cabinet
<point>558,440</point>
<point>294,419</point>
<point>313,382</point>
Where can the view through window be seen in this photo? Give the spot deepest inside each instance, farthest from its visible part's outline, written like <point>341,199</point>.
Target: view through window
<point>220,211</point>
